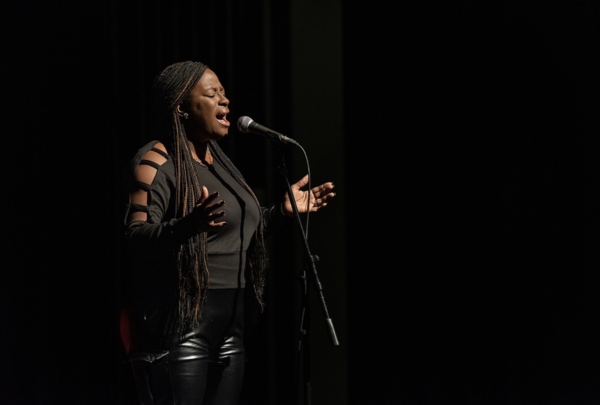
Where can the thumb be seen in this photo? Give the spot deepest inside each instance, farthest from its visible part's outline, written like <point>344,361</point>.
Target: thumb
<point>302,182</point>
<point>204,195</point>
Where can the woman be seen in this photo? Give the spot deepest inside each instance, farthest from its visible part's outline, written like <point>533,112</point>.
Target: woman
<point>193,227</point>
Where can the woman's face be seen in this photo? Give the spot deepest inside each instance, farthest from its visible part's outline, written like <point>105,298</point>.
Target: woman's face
<point>207,107</point>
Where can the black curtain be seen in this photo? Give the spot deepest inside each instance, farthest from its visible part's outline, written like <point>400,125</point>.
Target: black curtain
<point>477,154</point>
<point>470,164</point>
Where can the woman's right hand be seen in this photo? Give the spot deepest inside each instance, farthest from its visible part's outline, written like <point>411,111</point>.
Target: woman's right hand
<point>203,215</point>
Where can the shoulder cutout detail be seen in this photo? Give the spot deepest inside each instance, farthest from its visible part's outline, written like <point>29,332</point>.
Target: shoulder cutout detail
<point>156,155</point>
<point>148,167</point>
<point>161,147</point>
<point>160,152</point>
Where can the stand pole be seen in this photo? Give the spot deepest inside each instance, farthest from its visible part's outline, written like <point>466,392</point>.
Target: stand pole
<point>308,277</point>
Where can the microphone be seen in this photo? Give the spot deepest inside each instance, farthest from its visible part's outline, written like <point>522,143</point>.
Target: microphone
<point>246,124</point>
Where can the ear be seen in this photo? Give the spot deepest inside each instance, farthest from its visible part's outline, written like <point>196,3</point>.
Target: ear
<point>181,112</point>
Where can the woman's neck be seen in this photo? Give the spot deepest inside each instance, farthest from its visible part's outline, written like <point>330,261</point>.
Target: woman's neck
<point>201,152</point>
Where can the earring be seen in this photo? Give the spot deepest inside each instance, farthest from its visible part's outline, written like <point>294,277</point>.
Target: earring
<point>185,116</point>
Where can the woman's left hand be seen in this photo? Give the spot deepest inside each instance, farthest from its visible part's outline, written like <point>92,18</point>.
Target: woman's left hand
<point>318,197</point>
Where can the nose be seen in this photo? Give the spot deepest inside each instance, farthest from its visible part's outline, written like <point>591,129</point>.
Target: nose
<point>223,101</point>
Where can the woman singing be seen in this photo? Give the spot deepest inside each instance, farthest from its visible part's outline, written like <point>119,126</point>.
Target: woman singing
<point>194,229</point>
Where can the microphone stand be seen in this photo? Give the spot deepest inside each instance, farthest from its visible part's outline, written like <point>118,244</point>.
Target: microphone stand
<point>307,277</point>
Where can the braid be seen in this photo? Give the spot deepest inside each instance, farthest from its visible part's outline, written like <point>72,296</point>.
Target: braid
<point>172,86</point>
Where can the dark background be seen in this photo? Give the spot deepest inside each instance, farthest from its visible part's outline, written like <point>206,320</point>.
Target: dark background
<point>460,256</point>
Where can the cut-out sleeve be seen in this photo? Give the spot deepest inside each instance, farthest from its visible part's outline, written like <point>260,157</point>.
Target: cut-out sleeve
<point>150,229</point>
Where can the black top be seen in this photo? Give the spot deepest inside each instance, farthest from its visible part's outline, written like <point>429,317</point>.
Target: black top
<point>227,246</point>
<point>152,244</point>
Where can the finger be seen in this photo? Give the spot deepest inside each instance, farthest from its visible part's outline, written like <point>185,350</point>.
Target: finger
<point>214,207</point>
<point>321,202</point>
<point>214,224</point>
<point>301,183</point>
<point>326,197</point>
<point>323,189</point>
<point>208,201</point>
<point>314,208</point>
<point>317,207</point>
<point>319,199</point>
<point>213,217</point>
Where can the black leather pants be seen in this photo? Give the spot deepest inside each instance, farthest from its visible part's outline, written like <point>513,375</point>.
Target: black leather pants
<point>205,366</point>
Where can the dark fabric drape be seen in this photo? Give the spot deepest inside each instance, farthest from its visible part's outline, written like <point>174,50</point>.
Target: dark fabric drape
<point>469,165</point>
<point>482,130</point>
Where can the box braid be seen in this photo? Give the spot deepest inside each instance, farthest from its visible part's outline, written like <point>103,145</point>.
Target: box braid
<point>171,88</point>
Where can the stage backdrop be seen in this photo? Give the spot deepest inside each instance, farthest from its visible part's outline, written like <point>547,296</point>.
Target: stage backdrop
<point>459,258</point>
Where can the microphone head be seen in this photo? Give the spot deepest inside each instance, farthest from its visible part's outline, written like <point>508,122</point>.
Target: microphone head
<point>243,123</point>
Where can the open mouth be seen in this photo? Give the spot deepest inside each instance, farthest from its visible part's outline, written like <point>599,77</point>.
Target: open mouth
<point>222,118</point>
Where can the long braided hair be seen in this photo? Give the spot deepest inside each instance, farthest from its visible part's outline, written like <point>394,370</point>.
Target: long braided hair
<point>171,88</point>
